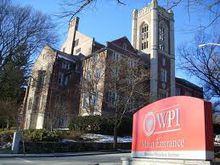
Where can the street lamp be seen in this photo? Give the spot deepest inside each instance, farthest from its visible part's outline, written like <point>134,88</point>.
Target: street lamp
<point>208,44</point>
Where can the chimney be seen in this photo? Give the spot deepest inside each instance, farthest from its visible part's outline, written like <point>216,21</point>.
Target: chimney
<point>74,23</point>
<point>73,27</point>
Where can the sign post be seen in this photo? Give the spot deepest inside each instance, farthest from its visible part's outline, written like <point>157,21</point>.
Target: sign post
<point>176,128</point>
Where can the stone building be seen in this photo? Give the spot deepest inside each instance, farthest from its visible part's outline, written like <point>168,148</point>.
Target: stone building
<point>85,77</point>
<point>52,94</point>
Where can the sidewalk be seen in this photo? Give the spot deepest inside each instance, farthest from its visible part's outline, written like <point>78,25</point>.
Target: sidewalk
<point>63,154</point>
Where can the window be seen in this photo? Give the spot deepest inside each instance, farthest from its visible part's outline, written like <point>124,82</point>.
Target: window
<point>125,46</point>
<point>66,80</point>
<point>61,121</point>
<point>89,99</point>
<point>98,73</point>
<point>64,49</point>
<point>144,28</point>
<point>73,66</point>
<point>76,42</point>
<point>144,36</point>
<point>68,66</point>
<point>41,78</point>
<point>163,76</point>
<point>65,65</point>
<point>188,93</point>
<point>78,50</point>
<point>115,71</point>
<point>60,78</point>
<point>94,99</point>
<point>161,46</point>
<point>42,101</point>
<point>161,33</point>
<point>30,104</point>
<point>132,62</point>
<point>112,98</point>
<point>85,101</point>
<point>162,95</point>
<point>162,36</point>
<point>88,75</point>
<point>144,45</point>
<point>163,61</point>
<point>178,91</point>
<point>115,56</point>
<point>95,58</point>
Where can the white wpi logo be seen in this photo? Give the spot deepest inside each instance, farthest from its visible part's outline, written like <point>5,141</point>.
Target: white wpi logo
<point>161,122</point>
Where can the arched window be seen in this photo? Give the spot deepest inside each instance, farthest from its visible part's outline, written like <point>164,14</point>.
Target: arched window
<point>144,29</point>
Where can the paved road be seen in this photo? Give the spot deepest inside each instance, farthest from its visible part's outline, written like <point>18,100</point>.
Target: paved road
<point>102,159</point>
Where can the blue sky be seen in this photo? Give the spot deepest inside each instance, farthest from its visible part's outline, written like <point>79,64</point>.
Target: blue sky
<point>108,21</point>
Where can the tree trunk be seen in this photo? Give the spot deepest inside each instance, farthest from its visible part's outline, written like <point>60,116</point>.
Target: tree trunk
<point>115,137</point>
<point>51,124</point>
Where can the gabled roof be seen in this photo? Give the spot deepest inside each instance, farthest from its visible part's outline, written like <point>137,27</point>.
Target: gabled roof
<point>121,43</point>
<point>68,56</point>
<point>65,55</point>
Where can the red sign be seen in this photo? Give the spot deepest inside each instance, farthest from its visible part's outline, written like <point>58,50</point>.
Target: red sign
<point>178,127</point>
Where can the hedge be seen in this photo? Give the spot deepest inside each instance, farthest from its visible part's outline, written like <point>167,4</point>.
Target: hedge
<point>58,147</point>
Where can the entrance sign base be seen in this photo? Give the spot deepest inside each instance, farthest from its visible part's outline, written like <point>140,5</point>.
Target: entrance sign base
<point>146,161</point>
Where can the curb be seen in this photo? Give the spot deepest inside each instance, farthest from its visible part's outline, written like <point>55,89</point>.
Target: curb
<point>61,154</point>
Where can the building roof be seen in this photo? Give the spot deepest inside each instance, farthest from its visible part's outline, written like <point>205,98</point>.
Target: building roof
<point>188,84</point>
<point>66,56</point>
<point>121,42</point>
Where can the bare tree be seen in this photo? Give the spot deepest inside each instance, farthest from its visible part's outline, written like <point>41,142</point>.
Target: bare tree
<point>127,85</point>
<point>212,7</point>
<point>73,7</point>
<point>203,63</point>
<point>114,86</point>
<point>23,31</point>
